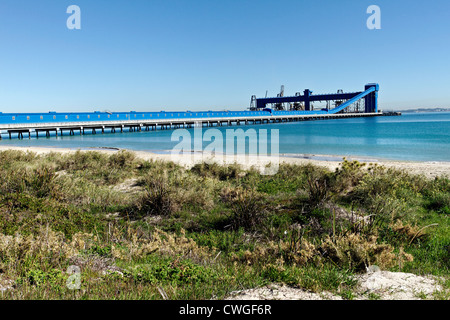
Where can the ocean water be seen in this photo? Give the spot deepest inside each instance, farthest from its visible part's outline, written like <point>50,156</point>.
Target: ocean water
<point>412,136</point>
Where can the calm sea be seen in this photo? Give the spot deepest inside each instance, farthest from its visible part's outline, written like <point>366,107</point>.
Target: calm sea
<point>412,136</point>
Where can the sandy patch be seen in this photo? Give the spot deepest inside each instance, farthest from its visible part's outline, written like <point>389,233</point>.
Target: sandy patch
<point>398,285</point>
<point>128,186</point>
<point>383,285</point>
<point>280,292</point>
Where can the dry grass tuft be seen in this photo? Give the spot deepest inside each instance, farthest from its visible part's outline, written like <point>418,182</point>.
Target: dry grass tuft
<point>161,242</point>
<point>357,252</point>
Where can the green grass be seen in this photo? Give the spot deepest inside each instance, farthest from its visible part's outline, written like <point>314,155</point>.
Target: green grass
<point>163,231</point>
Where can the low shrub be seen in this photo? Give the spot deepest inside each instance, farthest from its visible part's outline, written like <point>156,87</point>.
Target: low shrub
<point>38,278</point>
<point>248,208</point>
<point>215,170</point>
<point>157,198</point>
<point>176,271</point>
<point>438,201</point>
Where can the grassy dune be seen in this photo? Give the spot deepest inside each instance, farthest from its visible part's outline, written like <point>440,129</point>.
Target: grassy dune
<point>153,230</point>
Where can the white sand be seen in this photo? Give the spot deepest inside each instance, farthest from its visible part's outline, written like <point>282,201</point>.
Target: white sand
<point>386,285</point>
<point>429,169</point>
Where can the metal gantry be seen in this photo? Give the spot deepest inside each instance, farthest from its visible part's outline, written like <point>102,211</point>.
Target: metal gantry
<point>341,101</point>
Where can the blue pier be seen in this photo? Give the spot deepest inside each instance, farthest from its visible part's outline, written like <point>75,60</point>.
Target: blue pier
<point>71,123</point>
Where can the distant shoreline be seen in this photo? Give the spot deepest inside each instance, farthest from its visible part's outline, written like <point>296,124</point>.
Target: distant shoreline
<point>420,110</point>
<point>430,169</point>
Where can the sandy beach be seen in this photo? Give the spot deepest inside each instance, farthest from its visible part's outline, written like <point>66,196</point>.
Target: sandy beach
<point>430,169</point>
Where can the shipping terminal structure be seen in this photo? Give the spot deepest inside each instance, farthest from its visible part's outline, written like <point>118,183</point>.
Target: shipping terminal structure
<point>262,110</point>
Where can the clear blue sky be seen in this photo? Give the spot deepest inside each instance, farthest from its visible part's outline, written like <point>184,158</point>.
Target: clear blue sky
<point>150,55</point>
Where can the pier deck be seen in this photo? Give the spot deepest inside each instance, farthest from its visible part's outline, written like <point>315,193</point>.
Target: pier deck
<point>81,127</point>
